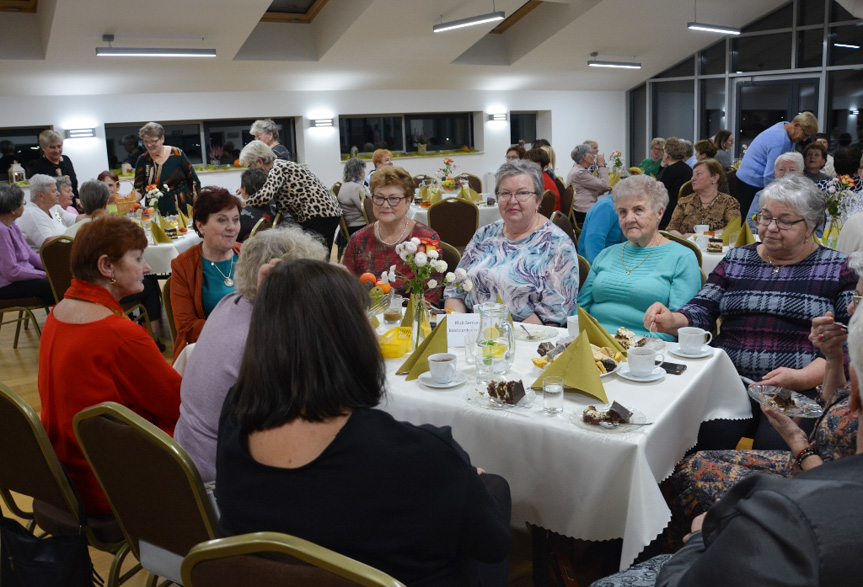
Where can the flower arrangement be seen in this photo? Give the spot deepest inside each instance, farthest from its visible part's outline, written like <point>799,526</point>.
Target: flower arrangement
<point>154,193</point>
<point>616,162</point>
<point>446,173</point>
<point>839,191</point>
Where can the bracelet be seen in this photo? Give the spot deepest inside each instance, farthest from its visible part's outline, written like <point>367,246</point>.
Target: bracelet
<point>803,455</point>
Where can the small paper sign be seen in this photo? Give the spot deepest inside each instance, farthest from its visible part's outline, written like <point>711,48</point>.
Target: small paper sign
<point>458,324</point>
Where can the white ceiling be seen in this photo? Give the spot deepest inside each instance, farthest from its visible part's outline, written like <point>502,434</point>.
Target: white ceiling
<point>351,45</point>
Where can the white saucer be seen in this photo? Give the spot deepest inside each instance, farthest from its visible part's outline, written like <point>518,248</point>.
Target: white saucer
<point>426,379</point>
<point>623,371</point>
<point>706,351</point>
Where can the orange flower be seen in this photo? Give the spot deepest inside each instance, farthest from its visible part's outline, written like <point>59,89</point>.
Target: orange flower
<point>846,180</point>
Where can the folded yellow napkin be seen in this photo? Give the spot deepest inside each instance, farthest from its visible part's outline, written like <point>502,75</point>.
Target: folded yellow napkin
<point>463,194</point>
<point>745,237</point>
<point>596,334</point>
<point>635,171</point>
<point>409,313</point>
<point>190,210</point>
<point>159,235</point>
<point>163,222</point>
<point>731,229</point>
<point>578,370</point>
<point>474,196</point>
<point>434,196</point>
<point>418,362</point>
<point>613,178</point>
<point>182,221</point>
<point>424,192</point>
<point>375,322</point>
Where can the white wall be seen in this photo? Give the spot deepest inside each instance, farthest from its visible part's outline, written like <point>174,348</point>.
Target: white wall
<point>575,116</point>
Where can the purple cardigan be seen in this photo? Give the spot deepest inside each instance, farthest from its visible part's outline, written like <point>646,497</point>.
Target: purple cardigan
<point>18,262</point>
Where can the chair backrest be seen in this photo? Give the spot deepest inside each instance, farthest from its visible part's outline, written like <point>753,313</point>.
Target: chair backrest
<point>454,220</point>
<point>731,180</point>
<point>56,259</point>
<point>546,205</point>
<point>237,560</point>
<point>368,209</point>
<point>686,243</point>
<point>583,270</point>
<point>567,197</point>
<point>419,179</point>
<point>336,187</point>
<point>262,224</point>
<point>169,309</point>
<point>153,487</point>
<point>685,189</point>
<point>277,219</point>
<point>474,181</point>
<point>563,223</point>
<point>560,185</point>
<point>449,254</point>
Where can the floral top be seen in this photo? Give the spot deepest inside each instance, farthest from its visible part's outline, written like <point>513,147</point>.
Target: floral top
<point>297,191</point>
<point>535,275</point>
<point>176,172</point>
<point>366,253</point>
<point>690,211</point>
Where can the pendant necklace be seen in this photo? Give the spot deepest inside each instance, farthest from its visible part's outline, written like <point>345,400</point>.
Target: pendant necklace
<point>228,281</point>
<point>623,261</point>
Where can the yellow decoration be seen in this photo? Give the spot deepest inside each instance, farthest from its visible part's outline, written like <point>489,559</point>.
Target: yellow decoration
<point>575,365</point>
<point>418,362</point>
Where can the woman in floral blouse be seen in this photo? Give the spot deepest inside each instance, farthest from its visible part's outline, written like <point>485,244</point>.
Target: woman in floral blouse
<point>707,205</point>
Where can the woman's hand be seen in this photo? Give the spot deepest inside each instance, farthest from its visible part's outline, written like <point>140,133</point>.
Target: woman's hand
<point>791,433</point>
<point>663,319</point>
<point>828,337</point>
<point>600,160</point>
<point>456,304</point>
<point>697,523</point>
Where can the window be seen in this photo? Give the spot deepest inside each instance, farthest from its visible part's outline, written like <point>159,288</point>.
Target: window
<point>810,12</point>
<point>778,19</point>
<point>183,135</point>
<point>846,102</point>
<point>522,127</point>
<point>713,59</point>
<point>673,110</point>
<point>638,122</point>
<point>226,138</point>
<point>368,133</point>
<point>846,45</point>
<point>761,52</point>
<point>443,131</point>
<point>683,69</point>
<point>809,47</point>
<point>713,107</point>
<point>19,144</point>
<point>405,132</point>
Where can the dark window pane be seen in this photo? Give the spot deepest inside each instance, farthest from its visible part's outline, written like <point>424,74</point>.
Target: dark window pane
<point>638,125</point>
<point>673,110</point>
<point>682,69</point>
<point>810,12</point>
<point>226,138</point>
<point>19,144</point>
<point>846,45</point>
<point>713,59</point>
<point>522,127</point>
<point>779,19</point>
<point>713,113</point>
<point>443,131</point>
<point>844,120</point>
<point>838,13</point>
<point>810,48</point>
<point>368,133</point>
<point>761,53</point>
<point>185,136</point>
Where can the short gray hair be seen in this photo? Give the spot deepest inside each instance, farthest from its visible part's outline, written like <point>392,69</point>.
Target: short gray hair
<point>287,243</point>
<point>49,137</point>
<point>62,180</point>
<point>791,157</point>
<point>354,169</point>
<point>642,186</point>
<point>855,346</point>
<point>39,184</point>
<point>579,152</point>
<point>855,262</point>
<point>152,129</point>
<point>520,167</point>
<point>675,148</point>
<point>798,193</point>
<point>11,198</point>
<point>254,151</point>
<point>265,125</point>
<point>94,195</point>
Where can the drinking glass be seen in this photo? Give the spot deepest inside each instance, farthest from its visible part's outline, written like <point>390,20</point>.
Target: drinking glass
<point>552,395</point>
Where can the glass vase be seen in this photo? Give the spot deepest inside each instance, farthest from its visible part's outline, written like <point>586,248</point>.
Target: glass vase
<point>420,326</point>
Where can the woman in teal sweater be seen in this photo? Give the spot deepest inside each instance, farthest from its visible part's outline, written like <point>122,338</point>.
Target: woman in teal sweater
<point>626,279</point>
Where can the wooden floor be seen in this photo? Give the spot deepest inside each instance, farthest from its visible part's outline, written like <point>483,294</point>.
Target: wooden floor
<point>18,370</point>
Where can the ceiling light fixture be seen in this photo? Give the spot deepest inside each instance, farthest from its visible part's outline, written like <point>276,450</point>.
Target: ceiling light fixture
<point>710,28</point>
<point>605,63</point>
<point>149,52</point>
<point>497,117</point>
<point>846,45</point>
<point>80,133</point>
<point>473,20</point>
<point>322,122</point>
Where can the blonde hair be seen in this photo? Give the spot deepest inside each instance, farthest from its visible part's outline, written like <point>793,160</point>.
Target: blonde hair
<point>807,122</point>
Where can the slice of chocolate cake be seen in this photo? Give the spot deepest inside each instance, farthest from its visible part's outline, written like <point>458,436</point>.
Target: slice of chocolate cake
<point>618,414</point>
<point>508,392</point>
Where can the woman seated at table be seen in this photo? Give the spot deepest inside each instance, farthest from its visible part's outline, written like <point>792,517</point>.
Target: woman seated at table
<point>652,164</point>
<point>704,477</point>
<point>302,449</point>
<point>165,166</point>
<point>707,205</point>
<point>214,365</point>
<point>251,181</point>
<point>815,158</point>
<point>767,295</point>
<point>94,196</point>
<point>295,190</point>
<point>515,153</point>
<point>785,164</point>
<point>540,157</point>
<point>625,279</point>
<point>380,158</point>
<point>21,271</point>
<point>588,187</point>
<point>351,194</point>
<point>90,352</point>
<point>524,258</point>
<point>67,196</point>
<point>372,248</point>
<point>673,174</point>
<point>204,274</point>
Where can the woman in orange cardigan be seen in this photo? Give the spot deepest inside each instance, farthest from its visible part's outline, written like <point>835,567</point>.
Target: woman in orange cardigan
<point>204,274</point>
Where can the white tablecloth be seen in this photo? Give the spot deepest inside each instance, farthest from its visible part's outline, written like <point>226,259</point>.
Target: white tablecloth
<point>159,256</point>
<point>592,485</point>
<point>709,261</point>
<point>487,214</point>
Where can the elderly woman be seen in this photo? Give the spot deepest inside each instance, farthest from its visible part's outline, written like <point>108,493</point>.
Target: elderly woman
<point>707,205</point>
<point>653,164</point>
<point>372,248</point>
<point>167,168</point>
<point>295,190</point>
<point>785,164</point>
<point>112,180</point>
<point>380,158</point>
<point>21,271</point>
<point>214,366</point>
<point>540,157</point>
<point>352,192</point>
<point>814,159</point>
<point>515,153</point>
<point>251,181</point>
<point>724,140</point>
<point>66,196</point>
<point>303,450</point>
<point>767,294</point>
<point>88,335</point>
<point>625,279</point>
<point>674,173</point>
<point>202,275</point>
<point>704,149</point>
<point>266,131</point>
<point>94,196</point>
<point>587,187</point>
<point>524,257</point>
<point>52,162</point>
<point>43,219</point>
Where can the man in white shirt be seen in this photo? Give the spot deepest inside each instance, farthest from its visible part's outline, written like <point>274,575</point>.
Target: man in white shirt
<point>43,219</point>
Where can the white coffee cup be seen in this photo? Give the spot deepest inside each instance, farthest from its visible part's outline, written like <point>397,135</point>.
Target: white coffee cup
<point>702,241</point>
<point>701,228</point>
<point>442,367</point>
<point>572,325</point>
<point>642,361</point>
<point>692,339</point>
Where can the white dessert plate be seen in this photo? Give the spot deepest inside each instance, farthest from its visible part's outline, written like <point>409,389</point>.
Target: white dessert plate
<point>623,371</point>
<point>637,421</point>
<point>427,379</point>
<point>535,332</point>
<point>706,351</point>
<point>803,407</point>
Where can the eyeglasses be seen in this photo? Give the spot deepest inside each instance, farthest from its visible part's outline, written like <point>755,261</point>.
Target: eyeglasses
<point>857,300</point>
<point>520,196</point>
<point>152,141</point>
<point>393,201</point>
<point>781,223</point>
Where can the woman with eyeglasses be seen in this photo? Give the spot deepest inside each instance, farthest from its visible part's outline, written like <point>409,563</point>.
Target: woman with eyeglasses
<point>767,295</point>
<point>167,168</point>
<point>373,249</point>
<point>524,258</point>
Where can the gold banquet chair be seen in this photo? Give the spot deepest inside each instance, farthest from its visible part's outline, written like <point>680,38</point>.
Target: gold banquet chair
<point>546,204</point>
<point>563,223</point>
<point>473,181</point>
<point>271,559</point>
<point>24,307</point>
<point>455,221</point>
<point>169,309</point>
<point>583,270</point>
<point>688,244</point>
<point>368,209</point>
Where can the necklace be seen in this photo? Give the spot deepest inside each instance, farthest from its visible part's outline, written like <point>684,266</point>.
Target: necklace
<point>623,260</point>
<point>706,209</point>
<point>398,240</point>
<point>228,281</point>
<point>776,267</point>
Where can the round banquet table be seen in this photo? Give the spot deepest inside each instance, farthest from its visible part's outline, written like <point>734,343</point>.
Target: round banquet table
<point>487,214</point>
<point>159,256</point>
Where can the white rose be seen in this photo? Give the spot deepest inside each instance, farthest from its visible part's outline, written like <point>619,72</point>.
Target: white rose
<point>449,277</point>
<point>392,273</point>
<point>432,253</point>
<point>441,266</point>
<point>460,273</point>
<point>415,241</point>
<point>432,283</point>
<point>420,259</point>
<point>467,286</point>
<point>410,247</point>
<point>384,277</point>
